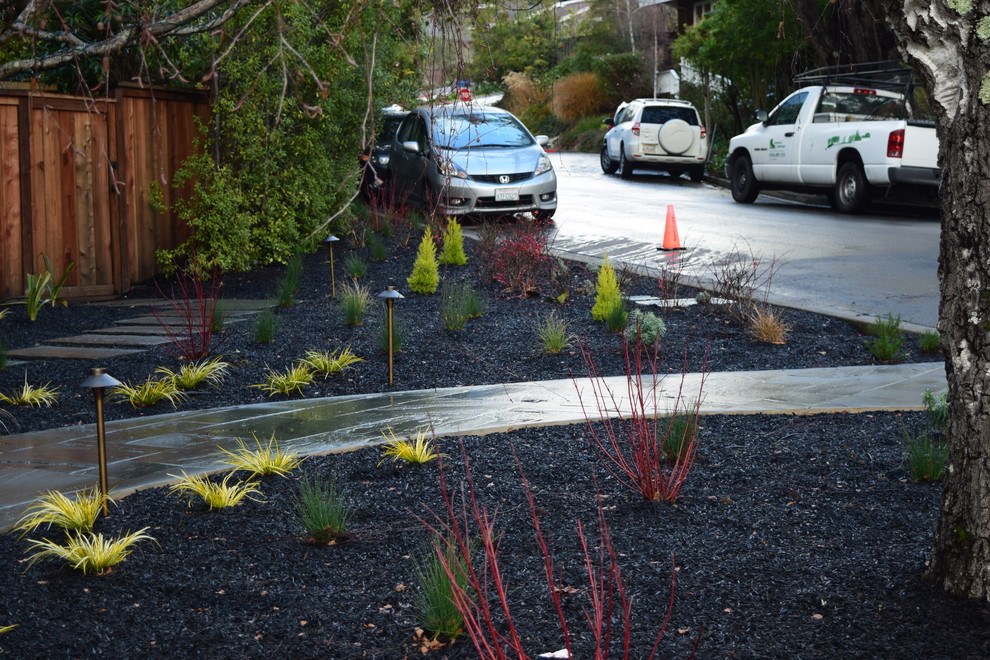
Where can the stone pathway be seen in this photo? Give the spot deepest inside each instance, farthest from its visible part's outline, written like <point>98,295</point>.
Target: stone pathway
<point>130,335</point>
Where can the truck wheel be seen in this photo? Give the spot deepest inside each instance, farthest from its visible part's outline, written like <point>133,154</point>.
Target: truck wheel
<point>745,189</point>
<point>625,167</point>
<point>852,193</point>
<point>609,166</point>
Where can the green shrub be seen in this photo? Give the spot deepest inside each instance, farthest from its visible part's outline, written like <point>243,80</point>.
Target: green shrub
<point>452,253</point>
<point>607,293</point>
<point>648,327</point>
<point>888,344</point>
<point>617,318</point>
<point>425,277</point>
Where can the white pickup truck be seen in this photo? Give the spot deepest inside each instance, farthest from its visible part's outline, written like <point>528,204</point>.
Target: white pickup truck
<point>843,141</point>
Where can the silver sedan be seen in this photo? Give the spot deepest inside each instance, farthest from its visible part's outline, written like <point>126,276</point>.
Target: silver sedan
<point>465,159</point>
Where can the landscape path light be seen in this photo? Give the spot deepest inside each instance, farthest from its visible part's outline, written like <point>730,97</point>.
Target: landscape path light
<point>390,295</point>
<point>99,380</point>
<point>329,241</point>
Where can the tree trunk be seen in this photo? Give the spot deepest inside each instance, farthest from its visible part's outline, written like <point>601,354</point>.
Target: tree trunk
<point>946,48</point>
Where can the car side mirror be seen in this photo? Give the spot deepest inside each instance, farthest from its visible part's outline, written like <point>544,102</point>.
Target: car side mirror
<point>542,140</point>
<point>411,146</point>
<point>608,121</point>
<point>761,116</point>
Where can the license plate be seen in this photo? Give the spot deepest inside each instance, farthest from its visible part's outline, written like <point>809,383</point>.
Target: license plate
<point>649,148</point>
<point>507,194</point>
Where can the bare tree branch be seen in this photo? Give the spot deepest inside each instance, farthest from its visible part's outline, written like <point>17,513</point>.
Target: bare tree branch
<point>198,17</point>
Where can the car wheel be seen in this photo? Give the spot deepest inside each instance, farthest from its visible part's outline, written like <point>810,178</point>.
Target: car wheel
<point>625,167</point>
<point>697,174</point>
<point>744,186</point>
<point>540,215</point>
<point>852,193</point>
<point>608,165</point>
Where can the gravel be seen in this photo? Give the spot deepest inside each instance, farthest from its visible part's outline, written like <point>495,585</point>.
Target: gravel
<point>794,536</point>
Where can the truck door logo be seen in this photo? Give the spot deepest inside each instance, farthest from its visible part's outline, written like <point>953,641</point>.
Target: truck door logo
<point>836,140</point>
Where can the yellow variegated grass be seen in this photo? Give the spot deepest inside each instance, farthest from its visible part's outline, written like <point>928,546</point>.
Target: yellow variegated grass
<point>149,392</point>
<point>411,451</point>
<point>89,552</point>
<point>326,363</point>
<point>53,508</point>
<point>194,374</point>
<point>29,395</point>
<point>266,459</point>
<point>216,495</point>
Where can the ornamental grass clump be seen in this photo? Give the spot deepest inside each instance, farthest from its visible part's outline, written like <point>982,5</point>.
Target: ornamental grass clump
<point>436,611</point>
<point>767,325</point>
<point>215,494</point>
<point>379,251</point>
<point>288,382</point>
<point>425,276</point>
<point>607,294</point>
<point>354,301</point>
<point>290,281</point>
<point>398,333</point>
<point>452,252</point>
<point>888,343</point>
<point>265,326</point>
<point>459,302</point>
<point>925,455</point>
<point>554,332</point>
<point>322,509</point>
<point>89,552</point>
<point>355,267</point>
<point>415,452</point>
<point>264,460</point>
<point>76,514</point>
<point>326,363</point>
<point>32,396</point>
<point>192,375</point>
<point>150,392</point>
<point>930,341</point>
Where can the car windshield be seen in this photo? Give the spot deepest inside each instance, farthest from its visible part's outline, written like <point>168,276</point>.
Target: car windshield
<point>479,129</point>
<point>661,114</point>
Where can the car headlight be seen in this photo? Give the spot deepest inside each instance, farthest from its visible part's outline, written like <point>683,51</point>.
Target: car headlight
<point>449,170</point>
<point>383,159</point>
<point>543,165</point>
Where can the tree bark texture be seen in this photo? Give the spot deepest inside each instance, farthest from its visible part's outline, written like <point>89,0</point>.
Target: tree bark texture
<point>947,42</point>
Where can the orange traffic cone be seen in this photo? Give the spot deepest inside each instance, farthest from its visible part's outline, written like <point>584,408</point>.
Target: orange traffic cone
<point>670,239</point>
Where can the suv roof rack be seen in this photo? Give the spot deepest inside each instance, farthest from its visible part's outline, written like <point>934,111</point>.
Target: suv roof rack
<point>891,75</point>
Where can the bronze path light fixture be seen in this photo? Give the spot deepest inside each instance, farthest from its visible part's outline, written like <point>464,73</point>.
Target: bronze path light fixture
<point>390,295</point>
<point>99,380</point>
<point>329,241</point>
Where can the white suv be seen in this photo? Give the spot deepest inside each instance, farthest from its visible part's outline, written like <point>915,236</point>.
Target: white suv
<point>659,134</point>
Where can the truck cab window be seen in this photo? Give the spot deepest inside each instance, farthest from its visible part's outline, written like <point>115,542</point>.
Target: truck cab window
<point>787,112</point>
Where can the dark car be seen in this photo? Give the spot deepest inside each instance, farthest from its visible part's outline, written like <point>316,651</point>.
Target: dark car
<point>375,174</point>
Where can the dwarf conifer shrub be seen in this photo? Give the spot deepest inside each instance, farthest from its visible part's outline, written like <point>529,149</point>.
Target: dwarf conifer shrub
<point>607,293</point>
<point>647,326</point>
<point>452,253</point>
<point>929,341</point>
<point>888,344</point>
<point>425,277</point>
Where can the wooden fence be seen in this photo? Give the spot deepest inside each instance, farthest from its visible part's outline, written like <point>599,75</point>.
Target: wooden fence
<point>76,179</point>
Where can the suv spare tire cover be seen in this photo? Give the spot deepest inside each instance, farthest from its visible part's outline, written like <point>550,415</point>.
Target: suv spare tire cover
<point>676,136</point>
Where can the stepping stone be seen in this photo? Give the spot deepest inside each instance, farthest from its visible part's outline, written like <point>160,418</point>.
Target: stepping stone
<point>71,352</point>
<point>114,340</point>
<point>133,330</point>
<point>172,321</point>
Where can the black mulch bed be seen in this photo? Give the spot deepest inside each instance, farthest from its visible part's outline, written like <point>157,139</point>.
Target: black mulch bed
<point>795,536</point>
<point>500,346</point>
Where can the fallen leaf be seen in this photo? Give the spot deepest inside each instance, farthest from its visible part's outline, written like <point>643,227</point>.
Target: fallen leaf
<point>400,587</point>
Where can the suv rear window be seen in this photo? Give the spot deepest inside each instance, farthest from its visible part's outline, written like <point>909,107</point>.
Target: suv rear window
<point>661,114</point>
